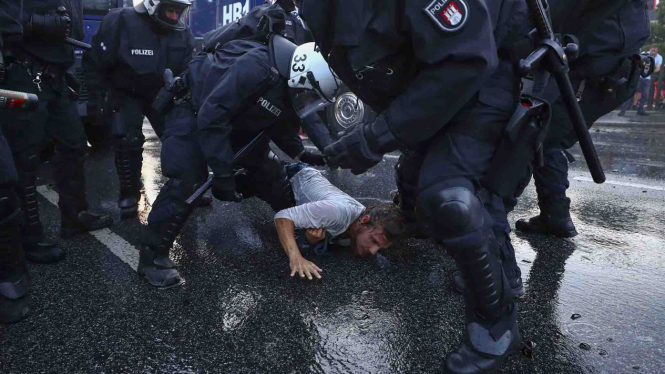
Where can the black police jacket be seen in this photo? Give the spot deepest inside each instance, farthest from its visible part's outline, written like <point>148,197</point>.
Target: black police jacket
<point>58,53</point>
<point>131,52</point>
<point>245,27</point>
<point>237,94</point>
<point>417,62</point>
<point>619,35</point>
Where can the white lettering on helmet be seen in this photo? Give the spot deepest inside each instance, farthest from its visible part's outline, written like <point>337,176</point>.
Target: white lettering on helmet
<point>142,52</point>
<point>269,107</point>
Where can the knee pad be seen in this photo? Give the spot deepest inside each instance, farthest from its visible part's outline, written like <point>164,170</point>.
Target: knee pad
<point>171,201</point>
<point>454,211</point>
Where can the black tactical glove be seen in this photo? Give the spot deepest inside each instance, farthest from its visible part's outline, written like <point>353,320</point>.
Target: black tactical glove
<point>49,27</point>
<point>352,151</point>
<point>224,189</point>
<point>313,159</point>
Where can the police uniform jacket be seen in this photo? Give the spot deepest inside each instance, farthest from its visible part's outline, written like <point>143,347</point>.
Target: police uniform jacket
<point>245,27</point>
<point>616,37</point>
<point>237,93</point>
<point>57,53</point>
<point>418,62</point>
<point>131,52</point>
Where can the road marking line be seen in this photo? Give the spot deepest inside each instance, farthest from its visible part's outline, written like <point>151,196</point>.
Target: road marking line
<point>635,185</point>
<point>394,157</point>
<point>114,242</point>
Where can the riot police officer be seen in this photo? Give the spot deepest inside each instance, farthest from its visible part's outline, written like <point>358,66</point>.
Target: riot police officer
<point>431,69</point>
<point>234,94</point>
<point>605,65</point>
<point>283,14</point>
<point>39,65</point>
<point>14,280</point>
<point>131,51</point>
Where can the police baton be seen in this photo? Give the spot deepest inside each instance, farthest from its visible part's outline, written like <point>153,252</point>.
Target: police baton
<point>78,44</point>
<point>556,62</point>
<point>62,11</point>
<point>14,100</point>
<point>206,186</point>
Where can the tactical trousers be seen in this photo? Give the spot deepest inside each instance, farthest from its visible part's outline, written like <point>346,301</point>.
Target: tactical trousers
<point>470,221</point>
<point>56,119</point>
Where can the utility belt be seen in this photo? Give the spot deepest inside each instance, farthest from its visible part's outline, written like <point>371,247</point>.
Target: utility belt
<point>44,72</point>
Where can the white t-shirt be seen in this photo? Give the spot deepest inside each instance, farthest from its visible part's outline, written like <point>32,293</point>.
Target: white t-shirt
<point>320,205</point>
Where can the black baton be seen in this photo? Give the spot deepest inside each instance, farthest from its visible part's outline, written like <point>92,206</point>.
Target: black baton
<point>78,44</point>
<point>206,186</point>
<point>556,62</point>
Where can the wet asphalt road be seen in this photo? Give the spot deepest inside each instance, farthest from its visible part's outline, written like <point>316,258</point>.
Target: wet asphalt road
<point>239,312</point>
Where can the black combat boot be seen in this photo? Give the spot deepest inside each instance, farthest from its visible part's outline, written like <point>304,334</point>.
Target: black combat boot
<point>35,246</point>
<point>14,279</point>
<point>491,333</point>
<point>554,219</point>
<point>128,163</point>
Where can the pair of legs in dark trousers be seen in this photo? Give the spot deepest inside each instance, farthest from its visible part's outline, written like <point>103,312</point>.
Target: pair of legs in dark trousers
<point>184,164</point>
<point>643,89</point>
<point>128,140</point>
<point>471,223</point>
<point>56,119</point>
<point>14,280</point>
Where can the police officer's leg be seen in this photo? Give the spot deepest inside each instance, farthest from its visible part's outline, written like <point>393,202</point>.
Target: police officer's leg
<point>14,280</point>
<point>501,229</point>
<point>128,142</point>
<point>24,132</point>
<point>551,182</point>
<point>184,164</point>
<point>271,183</point>
<point>65,127</point>
<point>158,123</point>
<point>407,173</point>
<point>452,203</point>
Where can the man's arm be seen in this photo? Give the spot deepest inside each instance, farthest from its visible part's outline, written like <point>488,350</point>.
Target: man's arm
<point>659,63</point>
<point>286,232</point>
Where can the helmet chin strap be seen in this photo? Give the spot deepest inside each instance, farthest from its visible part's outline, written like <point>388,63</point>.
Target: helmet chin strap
<point>315,84</point>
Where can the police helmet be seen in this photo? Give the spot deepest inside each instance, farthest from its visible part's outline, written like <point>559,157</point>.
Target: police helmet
<point>172,14</point>
<point>312,83</point>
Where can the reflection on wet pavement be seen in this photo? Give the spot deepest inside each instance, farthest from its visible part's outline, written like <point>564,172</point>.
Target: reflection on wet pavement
<point>240,312</point>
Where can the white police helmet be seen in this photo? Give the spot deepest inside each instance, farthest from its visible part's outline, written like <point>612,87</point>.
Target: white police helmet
<point>312,83</point>
<point>173,14</point>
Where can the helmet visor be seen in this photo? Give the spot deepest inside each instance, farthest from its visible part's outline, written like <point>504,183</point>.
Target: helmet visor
<point>172,15</point>
<point>306,102</point>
